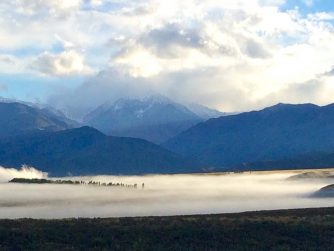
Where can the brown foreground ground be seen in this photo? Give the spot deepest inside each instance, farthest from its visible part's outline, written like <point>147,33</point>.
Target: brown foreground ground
<point>301,229</point>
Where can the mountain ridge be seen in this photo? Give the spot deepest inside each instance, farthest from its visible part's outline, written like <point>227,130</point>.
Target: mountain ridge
<point>17,118</point>
<point>276,132</point>
<point>155,118</point>
<point>87,151</point>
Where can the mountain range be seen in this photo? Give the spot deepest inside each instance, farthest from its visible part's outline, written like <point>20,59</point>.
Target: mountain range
<point>282,136</point>
<point>280,132</point>
<point>85,151</point>
<point>17,118</point>
<point>155,118</point>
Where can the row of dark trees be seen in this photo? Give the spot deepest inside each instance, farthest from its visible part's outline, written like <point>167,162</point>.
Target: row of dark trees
<point>73,182</point>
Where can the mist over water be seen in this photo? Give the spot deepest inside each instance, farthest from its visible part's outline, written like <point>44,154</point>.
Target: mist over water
<point>162,195</point>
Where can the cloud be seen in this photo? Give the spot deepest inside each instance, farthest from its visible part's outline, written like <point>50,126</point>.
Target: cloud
<point>46,7</point>
<point>255,50</point>
<point>96,2</point>
<point>66,63</point>
<point>321,16</point>
<point>10,64</point>
<point>201,51</point>
<point>6,59</point>
<point>330,73</point>
<point>170,35</point>
<point>108,85</point>
<point>230,55</point>
<point>298,93</point>
<point>309,3</point>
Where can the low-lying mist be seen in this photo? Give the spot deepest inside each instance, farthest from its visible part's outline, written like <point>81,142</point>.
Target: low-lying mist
<point>162,195</point>
<point>25,172</point>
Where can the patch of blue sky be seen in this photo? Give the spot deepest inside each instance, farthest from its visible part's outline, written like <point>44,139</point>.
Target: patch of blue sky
<point>287,40</point>
<point>107,6</point>
<point>22,52</point>
<point>56,48</point>
<point>306,7</point>
<point>29,87</point>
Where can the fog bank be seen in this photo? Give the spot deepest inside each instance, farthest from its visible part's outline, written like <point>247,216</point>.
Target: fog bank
<point>162,195</point>
<point>7,174</point>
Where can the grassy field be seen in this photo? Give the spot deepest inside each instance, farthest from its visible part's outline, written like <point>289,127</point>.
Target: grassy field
<point>302,229</point>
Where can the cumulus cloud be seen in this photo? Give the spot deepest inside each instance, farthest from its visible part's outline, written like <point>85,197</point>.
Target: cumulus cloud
<point>199,51</point>
<point>46,7</point>
<point>233,59</point>
<point>10,64</point>
<point>330,73</point>
<point>96,2</point>
<point>169,35</point>
<point>6,59</point>
<point>65,63</point>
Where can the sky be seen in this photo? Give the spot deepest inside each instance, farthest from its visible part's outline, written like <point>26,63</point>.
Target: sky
<point>233,55</point>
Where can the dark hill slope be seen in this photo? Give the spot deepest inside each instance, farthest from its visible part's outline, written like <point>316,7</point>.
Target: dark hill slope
<point>305,161</point>
<point>87,151</point>
<point>17,118</point>
<point>279,132</point>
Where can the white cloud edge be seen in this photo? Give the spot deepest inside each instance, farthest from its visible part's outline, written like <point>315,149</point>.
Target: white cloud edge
<point>254,78</point>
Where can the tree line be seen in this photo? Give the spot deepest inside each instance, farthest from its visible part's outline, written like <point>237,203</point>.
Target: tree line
<point>73,182</point>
